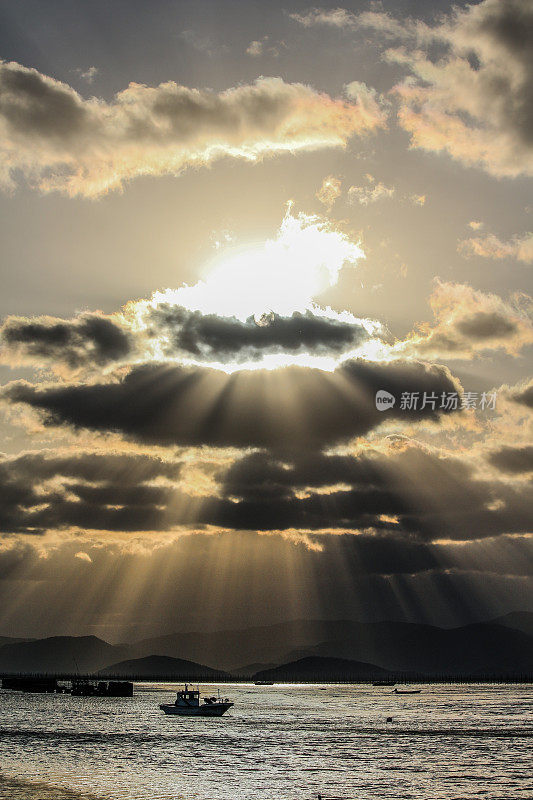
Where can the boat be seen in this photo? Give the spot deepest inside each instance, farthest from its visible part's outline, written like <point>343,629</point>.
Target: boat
<point>264,683</point>
<point>407,691</point>
<point>187,704</point>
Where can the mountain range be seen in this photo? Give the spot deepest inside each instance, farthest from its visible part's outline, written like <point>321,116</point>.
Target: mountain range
<point>503,645</point>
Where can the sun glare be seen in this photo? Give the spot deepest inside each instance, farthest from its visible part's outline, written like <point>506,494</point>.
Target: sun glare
<point>281,275</point>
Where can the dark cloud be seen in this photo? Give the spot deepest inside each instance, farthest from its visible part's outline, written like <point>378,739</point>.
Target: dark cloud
<point>211,337</point>
<point>33,106</point>
<point>261,475</point>
<point>524,396</point>
<point>121,468</point>
<point>486,325</point>
<point>90,340</point>
<point>114,492</point>
<point>398,498</point>
<point>513,459</point>
<point>288,408</point>
<point>416,494</point>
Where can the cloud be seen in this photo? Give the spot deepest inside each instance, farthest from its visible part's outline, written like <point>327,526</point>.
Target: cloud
<point>64,143</point>
<point>288,408</point>
<point>474,101</point>
<point>329,191</point>
<point>261,47</point>
<point>469,322</point>
<point>209,337</point>
<point>89,74</point>
<point>371,192</point>
<point>514,460</point>
<point>88,341</point>
<point>408,494</point>
<point>469,88</point>
<point>95,491</point>
<point>284,274</point>
<point>203,44</point>
<point>397,497</point>
<point>519,248</point>
<point>91,342</point>
<point>346,20</point>
<point>255,306</point>
<point>524,396</point>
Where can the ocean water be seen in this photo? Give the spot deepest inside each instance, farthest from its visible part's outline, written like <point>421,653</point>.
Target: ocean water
<point>451,742</point>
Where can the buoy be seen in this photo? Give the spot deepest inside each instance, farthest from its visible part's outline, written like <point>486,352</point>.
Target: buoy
<point>389,719</point>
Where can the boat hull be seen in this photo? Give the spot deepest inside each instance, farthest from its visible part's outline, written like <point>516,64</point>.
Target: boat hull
<point>207,710</point>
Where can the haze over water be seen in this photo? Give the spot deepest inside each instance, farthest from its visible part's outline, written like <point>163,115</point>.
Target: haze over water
<point>286,742</point>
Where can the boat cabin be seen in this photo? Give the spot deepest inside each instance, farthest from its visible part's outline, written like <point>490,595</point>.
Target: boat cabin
<point>188,697</point>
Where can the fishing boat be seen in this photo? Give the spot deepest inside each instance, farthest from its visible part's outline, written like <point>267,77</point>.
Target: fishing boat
<point>407,691</point>
<point>187,704</point>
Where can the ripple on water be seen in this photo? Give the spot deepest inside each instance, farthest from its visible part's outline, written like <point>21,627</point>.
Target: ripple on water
<point>285,744</point>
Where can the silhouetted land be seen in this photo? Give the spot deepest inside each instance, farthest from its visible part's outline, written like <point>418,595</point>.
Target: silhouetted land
<point>306,650</point>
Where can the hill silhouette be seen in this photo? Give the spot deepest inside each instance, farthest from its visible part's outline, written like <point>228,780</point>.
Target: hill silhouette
<point>519,620</point>
<point>329,669</point>
<point>483,647</point>
<point>161,667</point>
<point>497,647</point>
<point>58,654</point>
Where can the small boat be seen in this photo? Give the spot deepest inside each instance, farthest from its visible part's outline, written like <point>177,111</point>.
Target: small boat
<point>187,704</point>
<point>407,691</point>
<point>264,683</point>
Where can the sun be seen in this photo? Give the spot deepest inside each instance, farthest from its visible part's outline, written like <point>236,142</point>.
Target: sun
<point>279,276</point>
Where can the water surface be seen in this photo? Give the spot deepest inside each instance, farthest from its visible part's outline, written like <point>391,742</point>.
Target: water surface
<point>283,742</point>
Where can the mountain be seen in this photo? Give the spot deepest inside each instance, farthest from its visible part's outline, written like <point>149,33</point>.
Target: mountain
<point>12,640</point>
<point>161,667</point>
<point>59,654</point>
<point>398,646</point>
<point>250,669</point>
<point>225,649</point>
<point>327,669</point>
<point>501,646</point>
<point>478,648</point>
<point>270,644</point>
<point>519,620</point>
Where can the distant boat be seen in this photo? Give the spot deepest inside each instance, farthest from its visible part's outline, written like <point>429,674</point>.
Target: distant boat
<point>407,691</point>
<point>383,683</point>
<point>187,704</point>
<point>264,683</point>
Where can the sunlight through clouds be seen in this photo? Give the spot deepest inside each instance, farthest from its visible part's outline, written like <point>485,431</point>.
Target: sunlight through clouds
<point>282,275</point>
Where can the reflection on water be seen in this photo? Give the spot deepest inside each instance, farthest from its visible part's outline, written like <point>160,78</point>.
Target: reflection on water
<point>282,742</point>
<point>13,789</point>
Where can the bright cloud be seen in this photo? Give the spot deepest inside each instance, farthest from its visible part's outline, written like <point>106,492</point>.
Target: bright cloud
<point>281,275</point>
<point>370,192</point>
<point>469,322</point>
<point>519,248</point>
<point>329,191</point>
<point>64,143</point>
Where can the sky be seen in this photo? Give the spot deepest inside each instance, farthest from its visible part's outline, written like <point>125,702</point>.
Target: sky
<point>266,335</point>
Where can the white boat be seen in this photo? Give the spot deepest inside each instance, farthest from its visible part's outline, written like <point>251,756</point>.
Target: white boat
<point>188,704</point>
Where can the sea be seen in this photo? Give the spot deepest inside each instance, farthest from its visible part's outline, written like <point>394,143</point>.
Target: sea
<point>282,742</point>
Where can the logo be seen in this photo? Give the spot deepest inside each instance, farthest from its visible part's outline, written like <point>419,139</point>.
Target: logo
<point>384,400</point>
